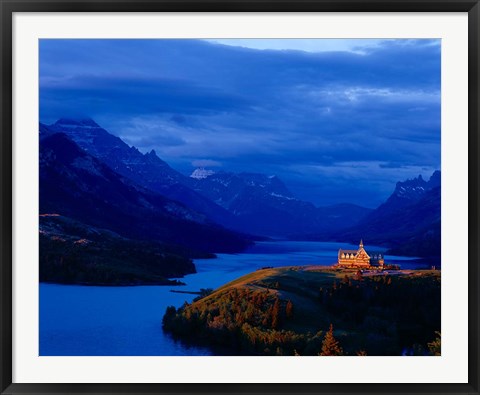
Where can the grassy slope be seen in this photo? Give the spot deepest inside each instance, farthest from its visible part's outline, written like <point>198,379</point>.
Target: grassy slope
<point>298,285</point>
<point>381,327</point>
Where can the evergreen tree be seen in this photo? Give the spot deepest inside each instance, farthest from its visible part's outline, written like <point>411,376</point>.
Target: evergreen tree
<point>276,314</point>
<point>289,310</point>
<point>330,345</point>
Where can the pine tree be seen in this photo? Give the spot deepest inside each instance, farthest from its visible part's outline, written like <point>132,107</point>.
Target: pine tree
<point>330,345</point>
<point>289,310</point>
<point>267,318</point>
<point>276,314</point>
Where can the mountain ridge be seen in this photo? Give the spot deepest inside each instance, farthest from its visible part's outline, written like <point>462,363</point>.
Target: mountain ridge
<point>265,205</point>
<point>147,170</point>
<point>247,202</point>
<point>77,185</point>
<point>408,222</point>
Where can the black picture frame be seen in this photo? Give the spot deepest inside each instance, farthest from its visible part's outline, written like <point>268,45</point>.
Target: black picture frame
<point>9,7</point>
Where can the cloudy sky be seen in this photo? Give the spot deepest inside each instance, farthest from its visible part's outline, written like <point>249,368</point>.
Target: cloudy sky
<point>336,120</point>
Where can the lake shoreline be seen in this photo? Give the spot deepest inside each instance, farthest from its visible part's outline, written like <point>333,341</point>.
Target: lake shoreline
<point>288,310</point>
<point>126,320</point>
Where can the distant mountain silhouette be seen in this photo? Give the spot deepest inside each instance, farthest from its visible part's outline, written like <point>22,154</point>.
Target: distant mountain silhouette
<point>146,170</point>
<point>75,184</point>
<point>263,204</point>
<point>408,222</point>
<point>247,202</point>
<point>144,210</point>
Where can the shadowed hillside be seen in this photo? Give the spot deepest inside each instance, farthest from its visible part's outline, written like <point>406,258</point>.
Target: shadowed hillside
<point>77,185</point>
<point>408,223</point>
<point>74,253</point>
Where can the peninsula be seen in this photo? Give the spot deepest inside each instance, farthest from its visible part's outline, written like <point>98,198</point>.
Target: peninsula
<point>316,310</point>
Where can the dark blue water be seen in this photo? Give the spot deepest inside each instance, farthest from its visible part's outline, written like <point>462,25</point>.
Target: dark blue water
<point>85,320</point>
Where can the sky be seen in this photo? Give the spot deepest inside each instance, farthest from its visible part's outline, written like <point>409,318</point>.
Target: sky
<point>339,121</point>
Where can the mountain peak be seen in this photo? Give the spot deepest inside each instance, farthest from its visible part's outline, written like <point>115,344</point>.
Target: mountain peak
<point>435,179</point>
<point>74,122</point>
<point>152,157</point>
<point>415,188</point>
<point>201,173</point>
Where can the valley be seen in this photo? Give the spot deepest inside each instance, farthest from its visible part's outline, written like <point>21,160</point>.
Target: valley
<point>239,197</point>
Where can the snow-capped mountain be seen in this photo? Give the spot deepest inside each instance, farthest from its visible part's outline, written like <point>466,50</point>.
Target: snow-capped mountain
<point>201,173</point>
<point>263,204</point>
<point>226,189</point>
<point>409,191</point>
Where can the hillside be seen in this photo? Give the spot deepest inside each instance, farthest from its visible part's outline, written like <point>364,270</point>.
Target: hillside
<point>146,170</point>
<point>408,222</point>
<point>74,253</point>
<point>289,311</point>
<point>79,186</point>
<point>253,203</point>
<point>97,176</point>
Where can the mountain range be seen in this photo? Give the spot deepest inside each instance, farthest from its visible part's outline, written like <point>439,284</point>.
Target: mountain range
<point>78,185</point>
<point>245,202</point>
<point>95,180</point>
<point>146,237</point>
<point>263,204</point>
<point>146,170</point>
<point>409,222</point>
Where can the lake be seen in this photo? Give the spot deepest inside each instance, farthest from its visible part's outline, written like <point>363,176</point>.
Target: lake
<point>92,321</point>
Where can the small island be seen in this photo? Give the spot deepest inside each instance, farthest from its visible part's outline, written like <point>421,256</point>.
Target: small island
<point>316,310</point>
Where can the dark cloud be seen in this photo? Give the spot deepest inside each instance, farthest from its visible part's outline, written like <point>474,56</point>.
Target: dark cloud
<point>131,95</point>
<point>336,126</point>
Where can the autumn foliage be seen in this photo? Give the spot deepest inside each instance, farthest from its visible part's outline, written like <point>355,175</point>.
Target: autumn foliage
<point>300,314</point>
<point>330,345</point>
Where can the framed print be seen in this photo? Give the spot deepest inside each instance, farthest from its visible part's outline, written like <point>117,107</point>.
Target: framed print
<point>233,197</point>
